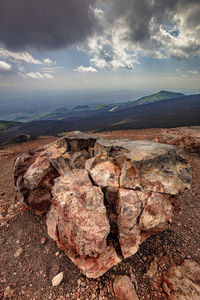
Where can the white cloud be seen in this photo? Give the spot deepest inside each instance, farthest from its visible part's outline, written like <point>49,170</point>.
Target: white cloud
<point>132,29</point>
<point>194,72</point>
<point>48,61</point>
<point>83,69</point>
<point>4,66</point>
<point>38,75</point>
<point>20,68</point>
<point>109,50</point>
<point>18,57</point>
<point>51,69</point>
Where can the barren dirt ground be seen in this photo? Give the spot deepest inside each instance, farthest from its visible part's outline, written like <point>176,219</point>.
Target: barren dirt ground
<point>27,266</point>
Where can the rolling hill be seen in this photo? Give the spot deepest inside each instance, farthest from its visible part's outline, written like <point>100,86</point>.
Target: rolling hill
<point>168,113</point>
<point>64,113</point>
<point>162,95</point>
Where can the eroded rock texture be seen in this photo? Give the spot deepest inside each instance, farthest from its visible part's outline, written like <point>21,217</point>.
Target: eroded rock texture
<point>103,198</point>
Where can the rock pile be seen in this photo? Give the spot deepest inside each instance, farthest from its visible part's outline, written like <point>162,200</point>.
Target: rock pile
<point>103,198</point>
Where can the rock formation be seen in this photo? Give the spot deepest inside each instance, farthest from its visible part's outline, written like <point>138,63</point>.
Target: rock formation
<point>189,141</point>
<point>182,282</point>
<point>103,198</point>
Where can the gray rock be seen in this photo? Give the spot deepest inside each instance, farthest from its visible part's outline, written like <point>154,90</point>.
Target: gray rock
<point>57,279</point>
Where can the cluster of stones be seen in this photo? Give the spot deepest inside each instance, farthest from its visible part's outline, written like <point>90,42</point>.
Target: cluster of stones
<point>103,198</point>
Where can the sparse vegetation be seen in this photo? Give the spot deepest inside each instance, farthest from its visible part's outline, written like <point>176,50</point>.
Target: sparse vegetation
<point>5,125</point>
<point>162,95</point>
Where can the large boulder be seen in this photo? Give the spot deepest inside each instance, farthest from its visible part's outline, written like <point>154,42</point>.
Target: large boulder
<point>103,198</point>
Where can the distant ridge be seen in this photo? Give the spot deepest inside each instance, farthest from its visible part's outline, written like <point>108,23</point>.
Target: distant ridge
<point>62,113</point>
<point>162,95</point>
<point>165,113</point>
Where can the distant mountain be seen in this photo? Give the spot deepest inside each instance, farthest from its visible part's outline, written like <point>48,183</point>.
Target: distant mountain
<point>84,110</point>
<point>162,95</point>
<point>81,107</point>
<point>165,113</point>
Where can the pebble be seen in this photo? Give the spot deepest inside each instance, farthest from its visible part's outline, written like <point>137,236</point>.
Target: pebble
<point>57,279</point>
<point>8,293</point>
<point>43,240</point>
<point>18,252</point>
<point>79,282</point>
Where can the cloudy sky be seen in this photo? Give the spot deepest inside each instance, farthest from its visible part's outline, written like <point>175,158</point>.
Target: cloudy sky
<point>99,44</point>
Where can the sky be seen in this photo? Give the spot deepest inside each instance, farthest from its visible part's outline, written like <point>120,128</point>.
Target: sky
<point>62,45</point>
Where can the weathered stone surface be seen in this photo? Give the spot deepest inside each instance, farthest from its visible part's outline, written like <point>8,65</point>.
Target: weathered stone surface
<point>80,224</point>
<point>102,147</point>
<point>124,289</point>
<point>35,183</point>
<point>157,212</point>
<point>183,141</point>
<point>183,282</point>
<point>59,157</point>
<point>130,208</point>
<point>155,167</point>
<point>106,197</point>
<point>77,141</point>
<point>105,174</point>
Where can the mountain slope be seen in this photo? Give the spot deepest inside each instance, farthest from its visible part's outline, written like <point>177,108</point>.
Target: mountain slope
<point>85,110</point>
<point>162,95</point>
<point>184,111</point>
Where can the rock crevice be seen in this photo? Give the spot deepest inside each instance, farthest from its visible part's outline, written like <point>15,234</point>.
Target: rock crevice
<point>103,198</point>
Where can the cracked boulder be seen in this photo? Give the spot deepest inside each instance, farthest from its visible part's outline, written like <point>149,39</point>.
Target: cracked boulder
<point>103,198</point>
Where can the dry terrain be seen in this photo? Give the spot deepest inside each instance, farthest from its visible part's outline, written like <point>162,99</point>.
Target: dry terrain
<point>29,259</point>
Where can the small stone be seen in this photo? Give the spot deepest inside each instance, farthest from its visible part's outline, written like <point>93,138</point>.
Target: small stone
<point>123,288</point>
<point>57,253</point>
<point>79,282</point>
<point>18,252</point>
<point>43,240</point>
<point>83,283</point>
<point>57,279</point>
<point>8,293</point>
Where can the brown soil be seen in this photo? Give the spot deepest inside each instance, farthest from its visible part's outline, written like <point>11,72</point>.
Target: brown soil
<point>29,275</point>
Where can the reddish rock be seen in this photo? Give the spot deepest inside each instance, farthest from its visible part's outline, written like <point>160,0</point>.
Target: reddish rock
<point>157,212</point>
<point>183,282</point>
<point>102,147</point>
<point>187,142</point>
<point>36,183</point>
<point>105,174</point>
<point>129,209</point>
<point>79,224</point>
<point>106,197</point>
<point>124,289</point>
<point>59,157</point>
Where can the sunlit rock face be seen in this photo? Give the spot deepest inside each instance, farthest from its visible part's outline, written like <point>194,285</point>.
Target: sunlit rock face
<point>103,198</point>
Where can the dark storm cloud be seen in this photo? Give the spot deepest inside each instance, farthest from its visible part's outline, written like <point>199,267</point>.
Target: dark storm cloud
<point>54,24</point>
<point>45,24</point>
<point>139,15</point>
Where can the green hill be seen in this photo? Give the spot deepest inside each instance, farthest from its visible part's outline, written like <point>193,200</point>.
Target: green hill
<point>5,125</point>
<point>162,95</point>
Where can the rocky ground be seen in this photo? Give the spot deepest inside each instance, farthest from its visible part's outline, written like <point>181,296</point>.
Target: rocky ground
<point>29,259</point>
